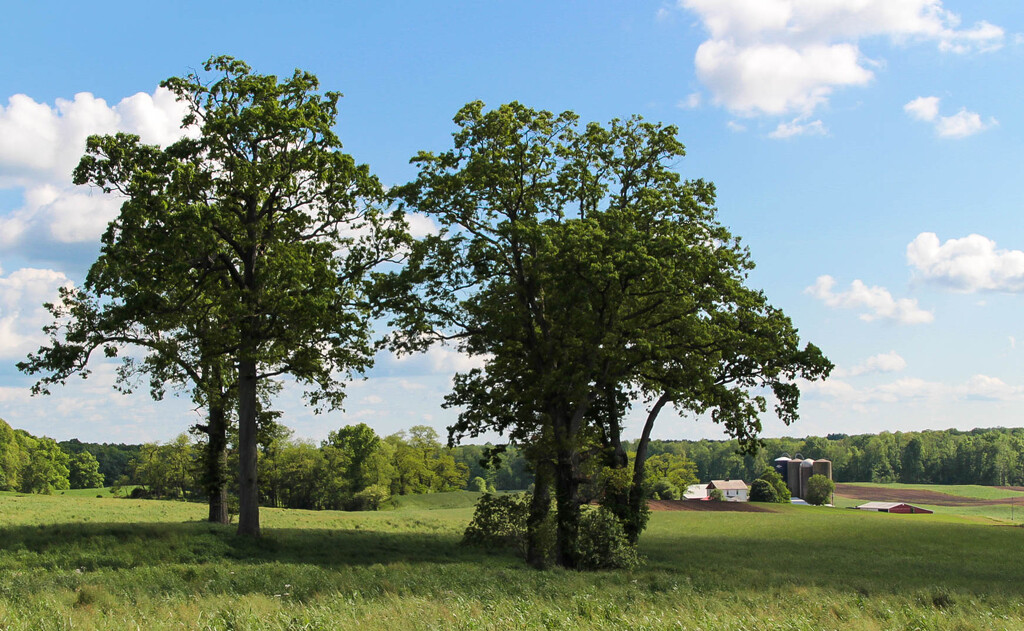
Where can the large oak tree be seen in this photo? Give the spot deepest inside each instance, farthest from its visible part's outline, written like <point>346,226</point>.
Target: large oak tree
<point>587,273</point>
<point>257,220</point>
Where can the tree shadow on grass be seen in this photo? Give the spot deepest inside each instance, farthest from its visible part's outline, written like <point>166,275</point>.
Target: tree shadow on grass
<point>886,557</point>
<point>116,545</point>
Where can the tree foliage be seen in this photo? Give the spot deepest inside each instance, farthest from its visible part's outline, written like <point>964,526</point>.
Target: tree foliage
<point>762,491</point>
<point>84,471</point>
<point>819,490</point>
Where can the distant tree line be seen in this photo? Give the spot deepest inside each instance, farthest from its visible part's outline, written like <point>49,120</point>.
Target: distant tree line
<point>980,456</point>
<point>38,465</point>
<point>354,468</point>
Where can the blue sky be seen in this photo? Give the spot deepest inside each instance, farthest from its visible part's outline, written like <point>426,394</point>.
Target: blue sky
<point>869,153</point>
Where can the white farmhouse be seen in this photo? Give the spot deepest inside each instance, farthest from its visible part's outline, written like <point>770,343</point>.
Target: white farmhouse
<point>732,490</point>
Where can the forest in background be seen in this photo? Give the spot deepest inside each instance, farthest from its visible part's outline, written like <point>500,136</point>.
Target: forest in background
<point>356,469</point>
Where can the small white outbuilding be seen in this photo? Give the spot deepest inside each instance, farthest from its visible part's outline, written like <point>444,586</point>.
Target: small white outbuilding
<point>696,492</point>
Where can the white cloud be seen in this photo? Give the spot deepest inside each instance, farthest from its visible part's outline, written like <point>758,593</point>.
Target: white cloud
<point>976,388</point>
<point>22,316</point>
<point>438,360</point>
<point>372,399</point>
<point>959,125</point>
<point>877,301</point>
<point>881,363</point>
<point>970,264</point>
<point>39,142</point>
<point>962,124</point>
<point>988,388</point>
<point>421,225</point>
<point>797,127</point>
<point>780,57</point>
<point>924,108</point>
<point>735,127</point>
<point>40,145</point>
<point>691,102</point>
<point>776,79</point>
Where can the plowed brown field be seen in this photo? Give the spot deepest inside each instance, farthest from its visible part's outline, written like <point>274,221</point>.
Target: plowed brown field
<point>920,496</point>
<point>698,505</point>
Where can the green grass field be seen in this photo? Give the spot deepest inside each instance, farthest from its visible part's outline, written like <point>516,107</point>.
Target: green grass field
<point>78,562</point>
<point>1001,513</point>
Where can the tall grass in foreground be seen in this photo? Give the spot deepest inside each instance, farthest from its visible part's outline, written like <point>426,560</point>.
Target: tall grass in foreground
<point>87,563</point>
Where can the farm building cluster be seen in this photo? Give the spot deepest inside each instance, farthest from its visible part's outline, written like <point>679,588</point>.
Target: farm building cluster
<point>795,473</point>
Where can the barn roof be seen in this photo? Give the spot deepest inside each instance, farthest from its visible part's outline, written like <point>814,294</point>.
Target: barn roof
<point>889,506</point>
<point>880,505</point>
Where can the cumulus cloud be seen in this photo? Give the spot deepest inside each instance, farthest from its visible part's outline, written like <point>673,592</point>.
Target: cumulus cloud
<point>876,303</point>
<point>923,108</point>
<point>970,264</point>
<point>959,125</point>
<point>779,57</point>
<point>881,363</point>
<point>22,316</point>
<point>40,145</point>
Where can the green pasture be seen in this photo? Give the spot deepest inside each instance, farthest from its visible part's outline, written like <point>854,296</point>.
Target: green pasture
<point>78,562</point>
<point>1001,513</point>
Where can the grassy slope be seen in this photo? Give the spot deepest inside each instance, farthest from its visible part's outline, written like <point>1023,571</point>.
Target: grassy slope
<point>106,563</point>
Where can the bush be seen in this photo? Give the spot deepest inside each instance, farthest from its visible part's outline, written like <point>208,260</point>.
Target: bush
<point>478,484</point>
<point>819,490</point>
<point>665,490</point>
<point>763,491</point>
<point>602,543</point>
<point>499,521</point>
<point>371,497</point>
<point>716,495</point>
<point>771,476</point>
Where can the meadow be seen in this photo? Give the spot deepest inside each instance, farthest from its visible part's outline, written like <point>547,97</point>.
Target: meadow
<point>986,503</point>
<point>81,562</point>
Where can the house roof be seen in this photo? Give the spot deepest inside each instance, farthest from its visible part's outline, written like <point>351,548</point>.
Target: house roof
<point>728,485</point>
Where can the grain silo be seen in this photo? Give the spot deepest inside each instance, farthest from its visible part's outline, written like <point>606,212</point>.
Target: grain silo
<point>781,465</point>
<point>823,467</point>
<point>793,477</point>
<point>806,471</point>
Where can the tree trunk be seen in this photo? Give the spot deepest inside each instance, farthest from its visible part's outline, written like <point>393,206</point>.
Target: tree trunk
<point>616,492</point>
<point>248,490</point>
<point>568,505</point>
<point>217,462</point>
<point>540,508</point>
<point>636,523</point>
